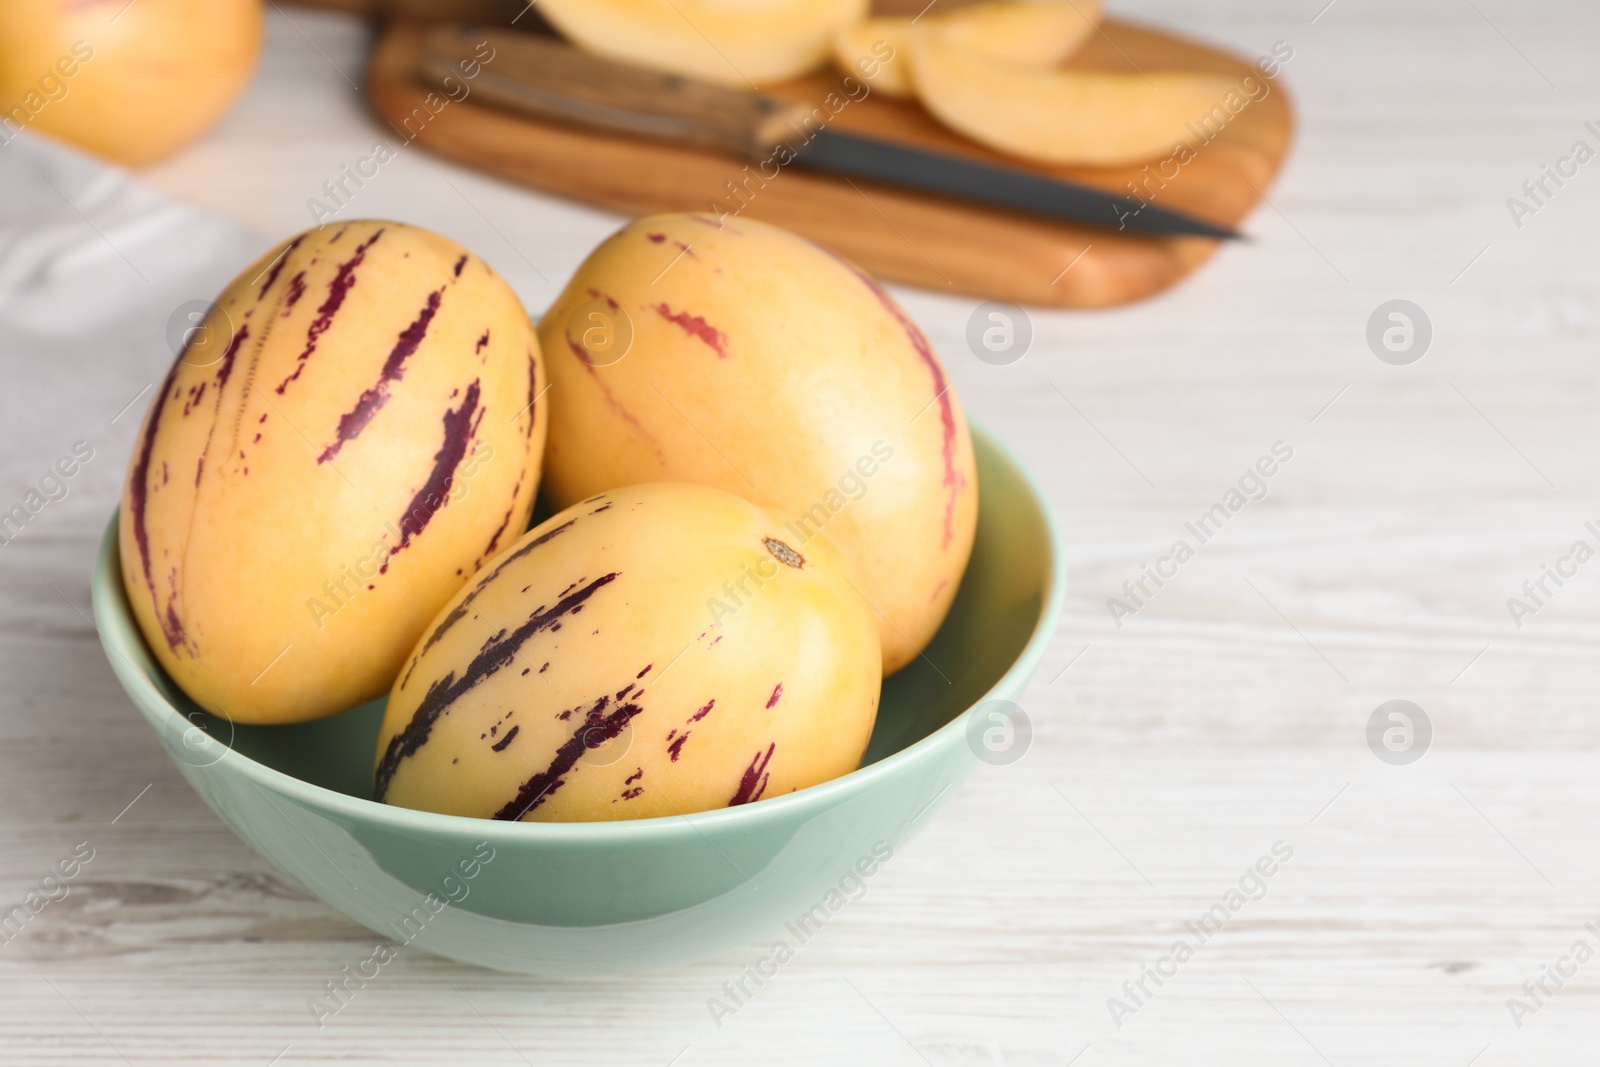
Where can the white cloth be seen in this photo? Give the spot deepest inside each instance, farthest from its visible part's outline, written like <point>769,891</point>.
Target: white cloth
<point>92,266</point>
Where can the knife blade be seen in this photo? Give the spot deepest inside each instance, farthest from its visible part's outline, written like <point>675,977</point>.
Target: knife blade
<point>894,163</point>
<point>547,79</point>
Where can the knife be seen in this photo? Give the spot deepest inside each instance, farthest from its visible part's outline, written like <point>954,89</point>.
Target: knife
<point>547,79</point>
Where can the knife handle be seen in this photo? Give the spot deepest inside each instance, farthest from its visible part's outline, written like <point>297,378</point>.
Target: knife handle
<point>547,79</point>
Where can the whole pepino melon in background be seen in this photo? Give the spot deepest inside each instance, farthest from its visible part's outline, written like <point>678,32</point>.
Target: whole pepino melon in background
<point>133,81</point>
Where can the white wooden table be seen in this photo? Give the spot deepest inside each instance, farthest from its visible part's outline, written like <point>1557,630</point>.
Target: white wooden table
<point>1169,754</point>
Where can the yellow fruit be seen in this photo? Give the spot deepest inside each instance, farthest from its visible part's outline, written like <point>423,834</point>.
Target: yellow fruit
<point>736,42</point>
<point>133,82</point>
<point>349,434</point>
<point>1024,34</point>
<point>1060,116</point>
<point>765,366</point>
<point>651,651</point>
<point>874,50</point>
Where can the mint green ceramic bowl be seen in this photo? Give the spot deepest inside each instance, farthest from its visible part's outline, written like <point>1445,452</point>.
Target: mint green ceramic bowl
<point>601,898</point>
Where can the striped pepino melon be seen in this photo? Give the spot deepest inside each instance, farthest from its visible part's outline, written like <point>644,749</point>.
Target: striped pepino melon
<point>654,650</point>
<point>735,354</point>
<point>350,433</point>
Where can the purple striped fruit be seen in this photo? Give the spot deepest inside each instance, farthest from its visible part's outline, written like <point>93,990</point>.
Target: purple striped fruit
<point>345,439</point>
<point>761,364</point>
<point>652,650</point>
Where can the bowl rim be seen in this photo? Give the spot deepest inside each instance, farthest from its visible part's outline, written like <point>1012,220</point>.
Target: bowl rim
<point>112,613</point>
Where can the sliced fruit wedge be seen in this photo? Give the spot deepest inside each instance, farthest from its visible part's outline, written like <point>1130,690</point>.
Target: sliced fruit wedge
<point>1064,116</point>
<point>875,51</point>
<point>735,42</point>
<point>1027,34</point>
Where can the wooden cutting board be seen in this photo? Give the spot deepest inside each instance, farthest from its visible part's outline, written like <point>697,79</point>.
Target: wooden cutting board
<point>930,241</point>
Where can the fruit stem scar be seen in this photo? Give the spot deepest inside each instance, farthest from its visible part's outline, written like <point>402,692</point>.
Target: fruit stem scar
<point>783,553</point>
